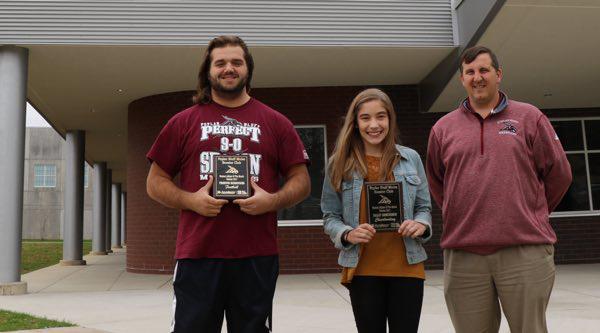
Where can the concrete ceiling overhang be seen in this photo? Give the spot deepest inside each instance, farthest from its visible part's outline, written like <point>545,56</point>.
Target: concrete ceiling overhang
<point>549,51</point>
<point>90,87</point>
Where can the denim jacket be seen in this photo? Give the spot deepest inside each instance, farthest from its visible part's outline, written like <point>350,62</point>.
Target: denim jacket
<point>341,210</point>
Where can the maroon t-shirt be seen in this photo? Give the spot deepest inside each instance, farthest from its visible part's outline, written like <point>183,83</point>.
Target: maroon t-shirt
<point>187,144</point>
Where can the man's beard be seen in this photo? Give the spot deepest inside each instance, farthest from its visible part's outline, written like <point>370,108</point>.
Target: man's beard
<point>235,90</point>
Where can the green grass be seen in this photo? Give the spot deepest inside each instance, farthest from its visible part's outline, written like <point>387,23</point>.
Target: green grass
<point>36,254</point>
<point>14,321</point>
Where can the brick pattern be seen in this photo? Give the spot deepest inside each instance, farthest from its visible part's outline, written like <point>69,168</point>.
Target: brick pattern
<point>305,250</point>
<point>152,228</point>
<point>578,239</point>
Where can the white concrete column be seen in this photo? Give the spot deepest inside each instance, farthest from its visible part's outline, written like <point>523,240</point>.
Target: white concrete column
<point>99,210</point>
<point>116,216</point>
<point>13,94</point>
<point>108,211</point>
<point>123,218</point>
<point>73,204</point>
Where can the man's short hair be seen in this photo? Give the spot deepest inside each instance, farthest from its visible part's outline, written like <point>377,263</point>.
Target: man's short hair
<point>469,55</point>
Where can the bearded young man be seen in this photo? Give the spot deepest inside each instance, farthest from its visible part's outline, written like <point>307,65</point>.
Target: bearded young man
<point>227,262</point>
<point>497,169</point>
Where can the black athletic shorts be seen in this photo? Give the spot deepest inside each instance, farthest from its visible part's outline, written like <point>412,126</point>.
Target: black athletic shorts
<point>241,289</point>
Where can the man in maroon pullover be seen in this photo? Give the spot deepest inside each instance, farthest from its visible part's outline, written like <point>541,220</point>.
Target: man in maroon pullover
<point>497,169</point>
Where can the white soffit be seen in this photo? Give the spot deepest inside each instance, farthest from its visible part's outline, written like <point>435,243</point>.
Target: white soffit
<point>549,51</point>
<point>90,87</point>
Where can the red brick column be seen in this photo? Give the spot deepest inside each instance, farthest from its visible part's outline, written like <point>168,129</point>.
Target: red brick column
<point>151,227</point>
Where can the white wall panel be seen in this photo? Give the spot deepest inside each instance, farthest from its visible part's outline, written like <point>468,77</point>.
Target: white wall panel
<point>267,22</point>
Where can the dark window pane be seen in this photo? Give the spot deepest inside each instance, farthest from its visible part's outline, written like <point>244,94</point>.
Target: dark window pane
<point>594,160</point>
<point>310,209</point>
<point>569,133</point>
<point>592,132</point>
<point>577,196</point>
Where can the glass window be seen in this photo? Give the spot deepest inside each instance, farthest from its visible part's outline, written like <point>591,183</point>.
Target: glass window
<point>313,138</point>
<point>594,160</point>
<point>569,133</point>
<point>583,195</point>
<point>577,197</point>
<point>44,175</point>
<point>592,133</point>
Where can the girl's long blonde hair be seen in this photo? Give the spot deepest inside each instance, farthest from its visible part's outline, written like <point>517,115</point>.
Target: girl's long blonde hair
<point>349,151</point>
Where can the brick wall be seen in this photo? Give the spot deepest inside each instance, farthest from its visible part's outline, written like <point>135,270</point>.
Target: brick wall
<point>305,250</point>
<point>152,228</point>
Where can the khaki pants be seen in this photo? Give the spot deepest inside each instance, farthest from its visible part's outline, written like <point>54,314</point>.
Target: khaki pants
<point>519,277</point>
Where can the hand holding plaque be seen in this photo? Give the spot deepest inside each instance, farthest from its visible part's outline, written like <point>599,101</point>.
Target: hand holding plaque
<point>385,211</point>
<point>231,176</point>
<point>259,203</point>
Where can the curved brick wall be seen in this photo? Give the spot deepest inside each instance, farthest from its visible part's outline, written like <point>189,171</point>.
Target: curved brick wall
<point>151,228</point>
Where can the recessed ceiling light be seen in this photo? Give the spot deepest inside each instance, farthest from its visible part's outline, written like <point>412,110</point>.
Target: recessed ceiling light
<point>119,90</point>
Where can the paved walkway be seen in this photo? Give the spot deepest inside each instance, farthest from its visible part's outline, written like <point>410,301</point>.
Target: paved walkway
<point>103,297</point>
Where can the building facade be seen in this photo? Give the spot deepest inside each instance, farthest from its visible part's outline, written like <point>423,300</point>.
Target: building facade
<point>303,246</point>
<point>43,194</point>
<point>118,70</point>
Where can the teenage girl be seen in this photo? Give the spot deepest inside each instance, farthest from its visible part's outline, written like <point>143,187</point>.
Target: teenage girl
<point>383,270</point>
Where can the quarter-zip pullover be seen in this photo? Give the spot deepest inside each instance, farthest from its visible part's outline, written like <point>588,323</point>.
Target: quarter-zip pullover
<point>496,179</point>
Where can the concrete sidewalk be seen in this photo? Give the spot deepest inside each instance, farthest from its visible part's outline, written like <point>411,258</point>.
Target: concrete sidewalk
<point>103,297</point>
